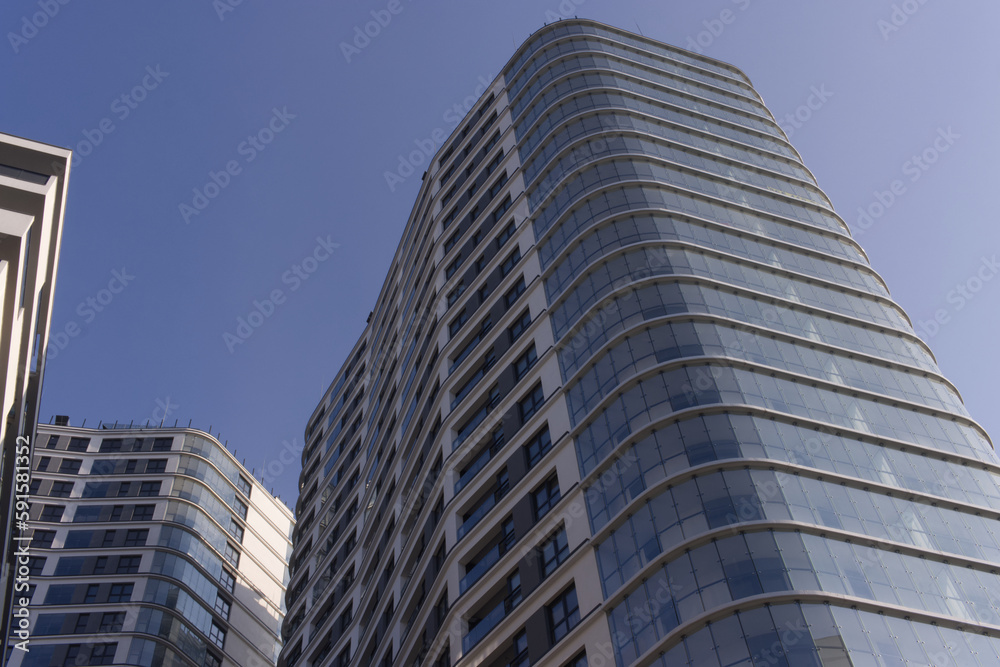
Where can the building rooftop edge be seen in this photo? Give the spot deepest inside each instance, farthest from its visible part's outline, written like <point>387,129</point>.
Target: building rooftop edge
<point>413,217</point>
<point>121,430</point>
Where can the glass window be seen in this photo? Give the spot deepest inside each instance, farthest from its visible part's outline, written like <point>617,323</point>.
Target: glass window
<point>112,621</point>
<point>554,552</point>
<point>69,566</point>
<point>128,564</point>
<point>149,489</point>
<point>42,539</point>
<point>217,635</point>
<point>232,555</point>
<point>456,324</point>
<point>101,654</point>
<point>509,263</point>
<point>514,293</point>
<point>120,593</point>
<point>530,404</point>
<point>48,624</point>
<point>143,512</point>
<point>497,187</point>
<point>240,508</point>
<point>136,538</point>
<point>450,218</point>
<point>564,614</point>
<point>519,326</point>
<point>78,444</point>
<point>456,293</point>
<point>61,489</point>
<point>501,209</point>
<point>453,267</point>
<point>52,513</point>
<point>60,594</point>
<point>236,529</point>
<point>95,489</point>
<point>36,564</point>
<point>521,650</point>
<point>223,606</point>
<point>525,362</point>
<point>538,447</point>
<point>505,235</point>
<point>545,497</point>
<point>111,445</point>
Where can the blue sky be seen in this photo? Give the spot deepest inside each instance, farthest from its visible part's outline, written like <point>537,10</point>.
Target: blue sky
<point>226,151</point>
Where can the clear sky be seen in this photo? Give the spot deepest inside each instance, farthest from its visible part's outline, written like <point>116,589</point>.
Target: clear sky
<point>157,97</point>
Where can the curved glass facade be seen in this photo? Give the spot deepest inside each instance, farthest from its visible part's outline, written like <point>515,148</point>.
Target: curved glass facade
<point>657,513</point>
<point>663,365</point>
<point>182,561</point>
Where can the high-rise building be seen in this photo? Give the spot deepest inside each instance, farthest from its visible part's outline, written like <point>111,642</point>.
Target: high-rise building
<point>34,178</point>
<point>151,547</point>
<point>631,394</point>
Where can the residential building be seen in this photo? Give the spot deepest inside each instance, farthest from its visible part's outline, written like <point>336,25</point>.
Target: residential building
<point>151,546</point>
<point>631,393</point>
<point>34,178</point>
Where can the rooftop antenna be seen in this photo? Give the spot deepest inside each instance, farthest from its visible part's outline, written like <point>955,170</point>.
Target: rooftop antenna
<point>638,28</point>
